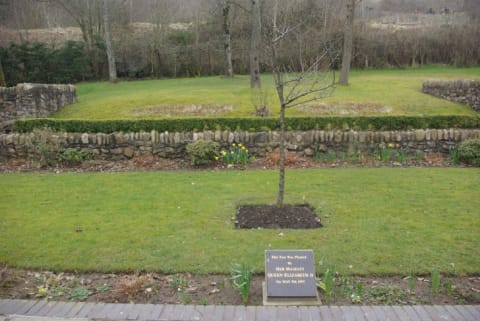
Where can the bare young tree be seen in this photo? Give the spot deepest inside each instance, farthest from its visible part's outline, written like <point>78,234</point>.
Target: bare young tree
<point>295,88</point>
<point>348,42</point>
<point>112,70</point>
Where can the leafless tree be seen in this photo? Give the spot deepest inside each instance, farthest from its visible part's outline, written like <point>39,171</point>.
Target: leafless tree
<point>112,70</point>
<point>2,76</point>
<point>255,44</point>
<point>294,88</point>
<point>87,14</point>
<point>227,39</point>
<point>348,42</point>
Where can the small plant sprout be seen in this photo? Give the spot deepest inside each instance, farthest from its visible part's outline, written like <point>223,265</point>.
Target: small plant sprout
<point>435,281</point>
<point>79,294</point>
<point>42,292</point>
<point>241,279</point>
<point>327,284</point>
<point>385,154</point>
<point>411,283</point>
<point>103,288</point>
<point>179,282</point>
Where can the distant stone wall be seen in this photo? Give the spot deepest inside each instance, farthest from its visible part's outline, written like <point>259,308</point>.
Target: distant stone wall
<point>33,100</point>
<point>119,146</point>
<point>461,91</point>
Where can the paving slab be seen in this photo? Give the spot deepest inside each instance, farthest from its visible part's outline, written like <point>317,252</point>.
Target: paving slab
<point>35,318</point>
<point>401,314</point>
<point>471,312</point>
<point>42,310</point>
<point>61,309</point>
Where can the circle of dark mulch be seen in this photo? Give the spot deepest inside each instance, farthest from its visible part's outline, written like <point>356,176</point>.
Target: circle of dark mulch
<point>272,216</point>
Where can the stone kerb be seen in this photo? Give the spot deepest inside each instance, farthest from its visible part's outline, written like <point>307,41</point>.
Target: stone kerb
<point>462,91</point>
<point>117,146</point>
<point>33,100</point>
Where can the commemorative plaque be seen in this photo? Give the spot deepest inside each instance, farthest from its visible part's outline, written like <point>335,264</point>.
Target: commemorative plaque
<point>290,276</point>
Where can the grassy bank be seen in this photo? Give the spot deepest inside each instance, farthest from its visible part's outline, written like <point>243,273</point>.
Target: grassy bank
<point>371,92</point>
<point>377,221</point>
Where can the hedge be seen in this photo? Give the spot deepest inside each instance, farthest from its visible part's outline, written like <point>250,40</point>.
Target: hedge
<point>249,124</point>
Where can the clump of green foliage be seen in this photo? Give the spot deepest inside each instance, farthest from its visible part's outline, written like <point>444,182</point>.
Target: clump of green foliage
<point>74,156</point>
<point>469,152</point>
<point>38,62</point>
<point>202,152</point>
<point>388,294</point>
<point>45,147</point>
<point>327,284</point>
<point>241,279</point>
<point>79,294</point>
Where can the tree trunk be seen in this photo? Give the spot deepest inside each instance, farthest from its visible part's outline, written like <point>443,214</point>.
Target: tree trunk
<point>281,179</point>
<point>347,43</point>
<point>112,70</point>
<point>198,53</point>
<point>255,44</point>
<point>3,83</point>
<point>227,40</point>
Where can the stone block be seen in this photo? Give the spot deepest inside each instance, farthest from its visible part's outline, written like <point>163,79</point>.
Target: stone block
<point>116,151</point>
<point>419,135</point>
<point>386,137</point>
<point>308,152</point>
<point>261,137</point>
<point>338,136</point>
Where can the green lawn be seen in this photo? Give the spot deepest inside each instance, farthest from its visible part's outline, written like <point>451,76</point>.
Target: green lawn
<point>377,221</point>
<point>371,92</point>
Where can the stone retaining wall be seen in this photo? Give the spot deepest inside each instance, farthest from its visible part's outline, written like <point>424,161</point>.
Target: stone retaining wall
<point>173,145</point>
<point>461,91</point>
<point>33,100</point>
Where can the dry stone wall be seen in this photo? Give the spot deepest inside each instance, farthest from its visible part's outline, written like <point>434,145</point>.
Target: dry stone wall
<point>118,146</point>
<point>33,100</point>
<point>461,91</point>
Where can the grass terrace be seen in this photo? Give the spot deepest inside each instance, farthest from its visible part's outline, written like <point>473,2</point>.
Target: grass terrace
<point>371,92</point>
<point>379,221</point>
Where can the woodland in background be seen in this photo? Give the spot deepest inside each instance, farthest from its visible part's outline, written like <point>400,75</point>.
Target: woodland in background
<point>185,38</point>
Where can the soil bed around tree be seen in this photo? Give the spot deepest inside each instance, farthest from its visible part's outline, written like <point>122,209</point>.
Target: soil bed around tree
<point>272,216</point>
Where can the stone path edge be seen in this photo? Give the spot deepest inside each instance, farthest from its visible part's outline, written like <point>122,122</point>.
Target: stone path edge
<point>43,310</point>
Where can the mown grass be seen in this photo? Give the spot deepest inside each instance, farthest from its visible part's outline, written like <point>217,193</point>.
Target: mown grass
<point>394,92</point>
<point>377,221</point>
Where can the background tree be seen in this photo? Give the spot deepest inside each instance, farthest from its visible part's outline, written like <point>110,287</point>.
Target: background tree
<point>348,42</point>
<point>294,88</point>
<point>2,75</point>
<point>112,70</point>
<point>88,16</point>
<point>255,44</point>
<point>227,39</point>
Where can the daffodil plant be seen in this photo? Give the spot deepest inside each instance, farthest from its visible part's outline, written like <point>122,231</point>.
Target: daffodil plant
<point>237,154</point>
